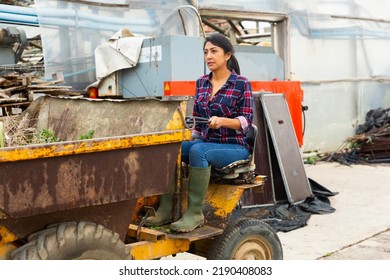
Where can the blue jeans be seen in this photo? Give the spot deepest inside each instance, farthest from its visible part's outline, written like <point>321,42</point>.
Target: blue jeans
<point>197,153</point>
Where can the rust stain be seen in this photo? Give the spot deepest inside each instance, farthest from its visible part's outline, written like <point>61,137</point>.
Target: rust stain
<point>19,193</point>
<point>68,181</point>
<point>43,196</point>
<point>131,168</point>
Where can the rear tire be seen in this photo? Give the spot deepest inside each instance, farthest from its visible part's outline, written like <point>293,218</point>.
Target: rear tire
<point>73,241</point>
<point>247,239</point>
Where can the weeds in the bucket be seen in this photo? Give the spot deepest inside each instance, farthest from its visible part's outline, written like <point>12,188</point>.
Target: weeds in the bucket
<point>47,136</point>
<point>20,132</point>
<point>88,135</point>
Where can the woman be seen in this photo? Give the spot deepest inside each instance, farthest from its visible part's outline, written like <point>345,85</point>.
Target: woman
<point>225,99</point>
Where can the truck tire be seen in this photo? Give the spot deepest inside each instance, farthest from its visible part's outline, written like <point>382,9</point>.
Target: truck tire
<point>247,239</point>
<point>73,241</point>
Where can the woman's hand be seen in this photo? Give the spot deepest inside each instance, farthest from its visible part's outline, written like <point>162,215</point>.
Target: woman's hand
<point>215,122</point>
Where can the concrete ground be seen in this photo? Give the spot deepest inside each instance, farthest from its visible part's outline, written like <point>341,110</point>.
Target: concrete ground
<point>359,229</point>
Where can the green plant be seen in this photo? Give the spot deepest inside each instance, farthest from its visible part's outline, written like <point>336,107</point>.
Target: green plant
<point>47,136</point>
<point>88,135</point>
<point>163,228</point>
<point>311,160</point>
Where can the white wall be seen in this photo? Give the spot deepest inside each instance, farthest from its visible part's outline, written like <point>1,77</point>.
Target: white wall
<point>340,63</point>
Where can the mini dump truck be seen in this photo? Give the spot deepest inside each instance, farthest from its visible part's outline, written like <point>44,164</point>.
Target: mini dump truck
<point>88,199</point>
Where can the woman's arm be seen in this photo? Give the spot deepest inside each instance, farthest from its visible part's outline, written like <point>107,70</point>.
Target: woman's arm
<point>217,122</point>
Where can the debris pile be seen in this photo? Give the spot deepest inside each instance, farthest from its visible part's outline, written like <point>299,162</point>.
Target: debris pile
<point>17,90</point>
<point>17,131</point>
<point>371,144</point>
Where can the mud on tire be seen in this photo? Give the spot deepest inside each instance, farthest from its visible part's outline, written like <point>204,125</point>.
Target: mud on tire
<point>72,241</point>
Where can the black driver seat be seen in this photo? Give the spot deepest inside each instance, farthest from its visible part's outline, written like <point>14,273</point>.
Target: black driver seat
<point>241,171</point>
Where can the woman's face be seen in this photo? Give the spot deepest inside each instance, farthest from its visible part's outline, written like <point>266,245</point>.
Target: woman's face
<point>215,57</point>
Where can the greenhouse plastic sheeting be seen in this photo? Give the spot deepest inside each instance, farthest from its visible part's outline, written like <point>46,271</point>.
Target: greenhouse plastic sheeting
<point>71,31</point>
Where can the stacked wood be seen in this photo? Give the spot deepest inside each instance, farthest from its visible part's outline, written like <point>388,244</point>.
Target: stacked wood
<point>17,90</point>
<point>24,3</point>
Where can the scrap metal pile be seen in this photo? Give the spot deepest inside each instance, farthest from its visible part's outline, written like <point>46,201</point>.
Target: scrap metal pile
<point>371,144</point>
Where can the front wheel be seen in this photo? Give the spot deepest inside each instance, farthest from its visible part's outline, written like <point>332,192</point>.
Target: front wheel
<point>247,239</point>
<point>73,241</point>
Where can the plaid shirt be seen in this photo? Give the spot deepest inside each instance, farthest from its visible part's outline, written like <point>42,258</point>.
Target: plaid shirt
<point>233,100</point>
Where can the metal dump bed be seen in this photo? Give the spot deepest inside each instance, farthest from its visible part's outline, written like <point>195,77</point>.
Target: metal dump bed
<point>99,179</point>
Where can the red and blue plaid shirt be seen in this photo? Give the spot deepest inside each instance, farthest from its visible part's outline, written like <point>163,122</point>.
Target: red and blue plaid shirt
<point>233,100</point>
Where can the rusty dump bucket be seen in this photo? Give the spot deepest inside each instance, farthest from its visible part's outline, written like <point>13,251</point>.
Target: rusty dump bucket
<point>133,153</point>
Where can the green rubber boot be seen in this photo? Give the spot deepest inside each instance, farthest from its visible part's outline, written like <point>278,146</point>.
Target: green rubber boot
<point>164,211</point>
<point>198,182</point>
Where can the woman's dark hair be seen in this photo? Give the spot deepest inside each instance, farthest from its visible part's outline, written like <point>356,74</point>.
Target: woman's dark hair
<point>223,42</point>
